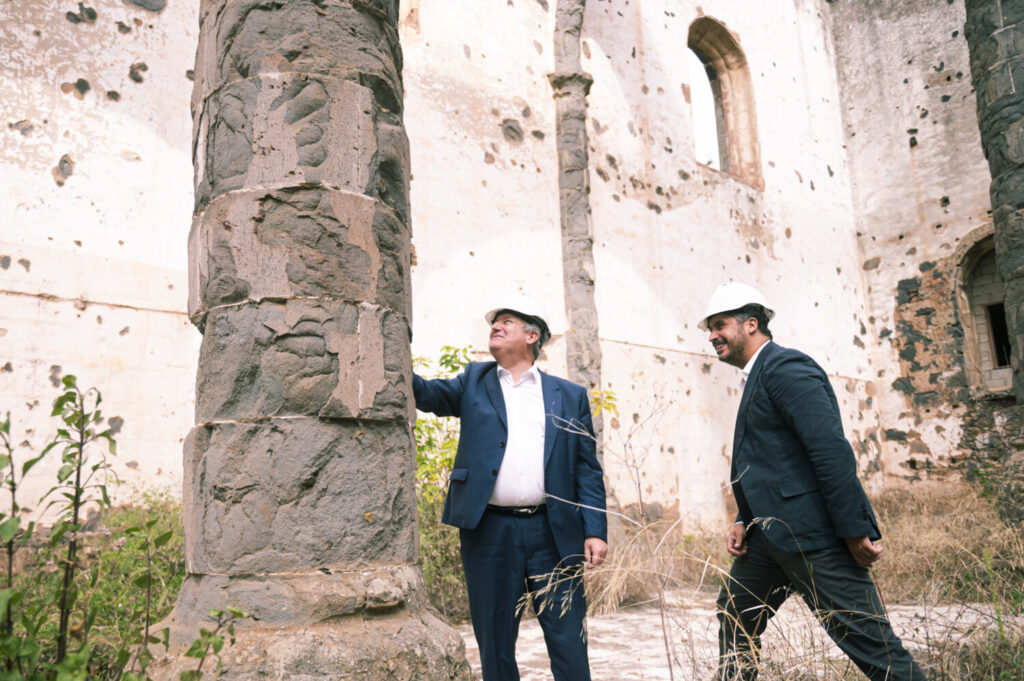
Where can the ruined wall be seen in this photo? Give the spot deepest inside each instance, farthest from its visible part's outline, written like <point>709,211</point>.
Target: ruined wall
<point>920,186</point>
<point>874,189</point>
<point>95,204</point>
<point>667,230</point>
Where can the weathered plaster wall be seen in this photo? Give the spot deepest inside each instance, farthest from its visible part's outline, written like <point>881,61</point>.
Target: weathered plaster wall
<point>484,192</point>
<point>848,211</point>
<point>920,187</point>
<point>667,230</point>
<point>96,199</point>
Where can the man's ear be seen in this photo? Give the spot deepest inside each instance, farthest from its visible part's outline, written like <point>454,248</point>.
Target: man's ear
<point>752,325</point>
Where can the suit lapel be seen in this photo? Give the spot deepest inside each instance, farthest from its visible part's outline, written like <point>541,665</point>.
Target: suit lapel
<point>753,384</point>
<point>553,419</point>
<point>495,396</point>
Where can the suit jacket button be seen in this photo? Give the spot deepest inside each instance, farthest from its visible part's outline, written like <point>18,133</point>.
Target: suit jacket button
<point>501,444</point>
<point>494,471</point>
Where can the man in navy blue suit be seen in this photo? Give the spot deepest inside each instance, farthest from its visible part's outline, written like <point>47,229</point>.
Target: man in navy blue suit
<point>804,522</point>
<point>526,492</point>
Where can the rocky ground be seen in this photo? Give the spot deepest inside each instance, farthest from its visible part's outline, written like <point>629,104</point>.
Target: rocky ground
<point>628,645</point>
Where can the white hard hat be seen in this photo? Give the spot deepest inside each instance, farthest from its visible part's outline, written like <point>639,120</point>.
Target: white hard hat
<point>524,306</point>
<point>732,296</point>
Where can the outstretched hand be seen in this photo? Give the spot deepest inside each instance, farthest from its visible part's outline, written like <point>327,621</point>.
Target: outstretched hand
<point>594,550</point>
<point>736,540</point>
<point>863,551</point>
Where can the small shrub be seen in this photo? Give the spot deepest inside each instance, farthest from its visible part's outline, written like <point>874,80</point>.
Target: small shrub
<point>78,600</point>
<point>114,566</point>
<point>437,439</point>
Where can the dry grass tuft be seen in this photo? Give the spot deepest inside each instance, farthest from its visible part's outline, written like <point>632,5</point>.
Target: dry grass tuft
<point>653,559</point>
<point>947,551</point>
<point>945,543</point>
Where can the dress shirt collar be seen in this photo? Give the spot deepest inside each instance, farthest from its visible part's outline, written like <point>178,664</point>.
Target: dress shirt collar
<point>532,374</point>
<point>750,365</point>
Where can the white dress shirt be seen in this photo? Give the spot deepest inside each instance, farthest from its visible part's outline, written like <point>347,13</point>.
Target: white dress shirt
<point>750,365</point>
<point>744,375</point>
<point>521,476</point>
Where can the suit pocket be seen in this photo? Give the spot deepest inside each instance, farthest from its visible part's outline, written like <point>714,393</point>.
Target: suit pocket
<point>792,488</point>
<point>458,475</point>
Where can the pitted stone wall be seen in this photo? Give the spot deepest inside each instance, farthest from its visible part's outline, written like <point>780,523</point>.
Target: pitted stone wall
<point>96,197</point>
<point>919,187</point>
<point>874,183</point>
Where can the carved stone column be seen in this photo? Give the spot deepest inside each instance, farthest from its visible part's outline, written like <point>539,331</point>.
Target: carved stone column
<point>571,85</point>
<point>299,502</point>
<point>995,38</point>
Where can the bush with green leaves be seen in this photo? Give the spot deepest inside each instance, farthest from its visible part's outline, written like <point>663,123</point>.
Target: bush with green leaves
<point>436,442</point>
<point>92,584</point>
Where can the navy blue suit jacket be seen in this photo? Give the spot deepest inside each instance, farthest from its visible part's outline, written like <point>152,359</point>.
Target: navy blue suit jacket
<point>790,459</point>
<point>571,469</point>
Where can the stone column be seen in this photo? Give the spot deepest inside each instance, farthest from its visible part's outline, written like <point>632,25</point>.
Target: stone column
<point>299,502</point>
<point>571,85</point>
<point>995,38</point>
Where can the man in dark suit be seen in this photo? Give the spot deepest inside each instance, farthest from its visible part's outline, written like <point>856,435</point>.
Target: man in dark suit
<point>527,492</point>
<point>804,521</point>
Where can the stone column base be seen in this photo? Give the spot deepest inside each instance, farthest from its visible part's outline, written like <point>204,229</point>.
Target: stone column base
<point>371,624</point>
<point>401,646</point>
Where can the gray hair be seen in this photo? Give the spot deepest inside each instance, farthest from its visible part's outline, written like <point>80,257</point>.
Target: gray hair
<point>533,327</point>
<point>530,325</point>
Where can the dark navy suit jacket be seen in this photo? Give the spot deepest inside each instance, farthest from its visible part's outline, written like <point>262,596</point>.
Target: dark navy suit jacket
<point>791,462</point>
<point>571,469</point>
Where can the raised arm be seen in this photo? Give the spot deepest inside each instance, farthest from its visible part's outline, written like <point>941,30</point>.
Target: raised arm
<point>440,396</point>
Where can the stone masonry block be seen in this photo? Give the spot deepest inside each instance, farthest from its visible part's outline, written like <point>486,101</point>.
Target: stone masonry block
<point>1005,146</point>
<point>302,241</point>
<point>332,359</point>
<point>992,86</point>
<point>303,598</point>
<point>1014,308</point>
<point>345,40</point>
<point>1007,190</point>
<point>983,19</point>
<point>298,494</point>
<point>1010,242</point>
<point>285,130</point>
<point>1013,12</point>
<point>996,48</point>
<point>401,646</point>
<point>1003,101</point>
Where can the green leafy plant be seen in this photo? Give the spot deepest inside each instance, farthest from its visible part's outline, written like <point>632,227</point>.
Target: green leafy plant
<point>210,643</point>
<point>79,482</point>
<point>84,605</point>
<point>437,440</point>
<point>20,650</point>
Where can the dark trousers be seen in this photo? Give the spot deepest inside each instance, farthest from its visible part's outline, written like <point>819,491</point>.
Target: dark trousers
<point>839,592</point>
<point>504,558</point>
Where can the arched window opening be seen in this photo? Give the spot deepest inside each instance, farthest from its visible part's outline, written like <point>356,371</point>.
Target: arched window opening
<point>987,339</point>
<point>706,109</point>
<point>728,75</point>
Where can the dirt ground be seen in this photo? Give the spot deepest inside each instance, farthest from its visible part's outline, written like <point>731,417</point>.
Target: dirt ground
<point>628,645</point>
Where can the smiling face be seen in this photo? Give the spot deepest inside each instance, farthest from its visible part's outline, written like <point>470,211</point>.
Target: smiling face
<point>734,341</point>
<point>509,337</point>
